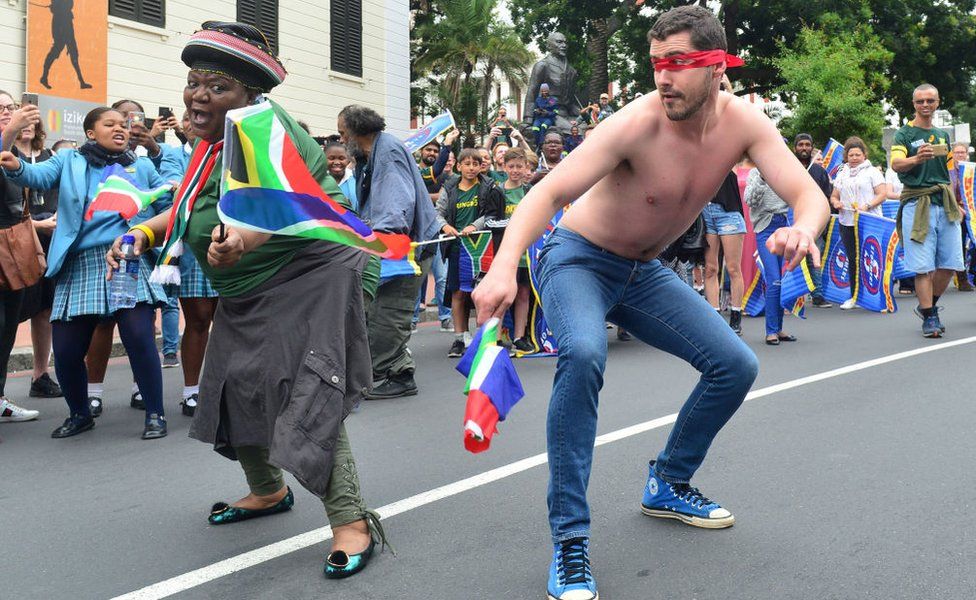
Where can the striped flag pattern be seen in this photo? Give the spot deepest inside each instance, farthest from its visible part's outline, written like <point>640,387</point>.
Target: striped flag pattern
<point>118,193</point>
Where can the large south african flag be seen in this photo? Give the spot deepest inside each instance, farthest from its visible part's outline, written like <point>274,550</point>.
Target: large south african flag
<point>117,192</point>
<point>266,186</point>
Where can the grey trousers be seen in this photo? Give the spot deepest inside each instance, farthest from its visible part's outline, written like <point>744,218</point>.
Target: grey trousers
<point>388,319</point>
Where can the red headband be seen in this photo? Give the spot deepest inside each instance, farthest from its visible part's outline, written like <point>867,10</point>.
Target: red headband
<point>696,60</point>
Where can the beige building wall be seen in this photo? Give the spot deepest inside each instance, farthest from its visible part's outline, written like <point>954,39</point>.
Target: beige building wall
<point>144,61</point>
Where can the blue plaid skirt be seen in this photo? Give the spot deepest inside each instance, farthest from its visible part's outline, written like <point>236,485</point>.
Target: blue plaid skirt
<point>193,283</point>
<point>81,288</point>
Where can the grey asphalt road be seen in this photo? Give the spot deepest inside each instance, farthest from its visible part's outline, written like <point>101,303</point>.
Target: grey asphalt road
<point>855,486</point>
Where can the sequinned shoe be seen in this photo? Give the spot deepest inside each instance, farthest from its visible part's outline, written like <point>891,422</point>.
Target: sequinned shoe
<point>223,513</point>
<point>339,564</point>
<point>682,502</point>
<point>570,577</point>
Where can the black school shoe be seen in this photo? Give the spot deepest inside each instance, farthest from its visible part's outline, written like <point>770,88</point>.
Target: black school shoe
<point>95,406</point>
<point>74,425</point>
<point>395,386</point>
<point>45,387</point>
<point>189,405</point>
<point>137,402</point>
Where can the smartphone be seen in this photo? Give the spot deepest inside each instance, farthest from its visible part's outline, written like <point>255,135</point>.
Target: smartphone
<point>506,131</point>
<point>165,112</point>
<point>940,149</point>
<point>136,118</point>
<point>28,98</point>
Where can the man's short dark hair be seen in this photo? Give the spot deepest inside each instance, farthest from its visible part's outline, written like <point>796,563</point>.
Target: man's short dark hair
<point>433,143</point>
<point>361,120</point>
<point>707,32</point>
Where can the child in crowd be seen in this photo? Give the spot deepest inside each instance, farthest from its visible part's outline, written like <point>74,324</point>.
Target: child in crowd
<point>544,113</point>
<point>517,168</point>
<point>338,159</point>
<point>463,207</point>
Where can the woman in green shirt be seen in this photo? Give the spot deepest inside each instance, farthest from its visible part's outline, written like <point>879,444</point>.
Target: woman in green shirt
<point>283,366</point>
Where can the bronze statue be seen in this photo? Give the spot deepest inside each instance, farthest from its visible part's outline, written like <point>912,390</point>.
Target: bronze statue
<point>555,70</point>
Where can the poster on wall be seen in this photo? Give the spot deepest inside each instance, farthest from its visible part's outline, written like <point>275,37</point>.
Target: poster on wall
<point>63,118</point>
<point>67,49</point>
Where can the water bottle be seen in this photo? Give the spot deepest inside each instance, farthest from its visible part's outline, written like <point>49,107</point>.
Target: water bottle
<point>125,279</point>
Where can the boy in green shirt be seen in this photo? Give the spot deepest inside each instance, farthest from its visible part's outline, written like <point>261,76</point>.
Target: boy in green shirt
<point>517,168</point>
<point>462,209</point>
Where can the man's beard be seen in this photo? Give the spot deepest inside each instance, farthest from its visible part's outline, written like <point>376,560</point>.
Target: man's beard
<point>353,148</point>
<point>693,103</point>
<point>803,155</point>
<point>429,160</point>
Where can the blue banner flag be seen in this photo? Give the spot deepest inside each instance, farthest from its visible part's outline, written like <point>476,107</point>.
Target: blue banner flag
<point>889,208</point>
<point>877,245</point>
<point>794,287</point>
<point>754,299</point>
<point>836,278</point>
<point>429,132</point>
<point>833,157</point>
<point>966,172</point>
<point>538,332</point>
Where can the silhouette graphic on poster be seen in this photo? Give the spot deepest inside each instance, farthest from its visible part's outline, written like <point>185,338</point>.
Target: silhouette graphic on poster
<point>62,36</point>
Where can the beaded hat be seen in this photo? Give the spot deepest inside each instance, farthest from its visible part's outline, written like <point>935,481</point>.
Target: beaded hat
<point>237,50</point>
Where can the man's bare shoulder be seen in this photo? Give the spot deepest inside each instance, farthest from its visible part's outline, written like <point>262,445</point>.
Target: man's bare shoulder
<point>739,114</point>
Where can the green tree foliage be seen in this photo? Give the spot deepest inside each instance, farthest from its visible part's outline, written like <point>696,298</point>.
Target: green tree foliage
<point>832,86</point>
<point>457,47</point>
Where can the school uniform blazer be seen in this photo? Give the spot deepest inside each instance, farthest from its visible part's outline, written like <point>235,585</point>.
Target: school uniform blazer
<point>70,173</point>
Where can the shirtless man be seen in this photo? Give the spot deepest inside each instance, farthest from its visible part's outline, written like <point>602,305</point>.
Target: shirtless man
<point>640,184</point>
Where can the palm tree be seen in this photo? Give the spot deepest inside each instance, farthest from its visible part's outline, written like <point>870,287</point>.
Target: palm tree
<point>465,45</point>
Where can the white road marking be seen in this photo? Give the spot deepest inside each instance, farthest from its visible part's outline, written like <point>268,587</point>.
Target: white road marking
<point>203,575</point>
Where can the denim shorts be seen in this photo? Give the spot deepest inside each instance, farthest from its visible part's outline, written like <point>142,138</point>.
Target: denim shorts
<point>942,248</point>
<point>719,221</point>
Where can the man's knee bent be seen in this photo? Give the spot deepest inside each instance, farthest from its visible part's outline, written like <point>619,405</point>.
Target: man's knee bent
<point>583,353</point>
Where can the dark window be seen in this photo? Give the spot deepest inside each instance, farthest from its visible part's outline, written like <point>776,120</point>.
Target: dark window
<point>150,12</point>
<point>346,36</point>
<point>263,14</point>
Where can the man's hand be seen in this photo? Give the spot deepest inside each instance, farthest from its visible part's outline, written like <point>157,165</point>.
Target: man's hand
<point>794,244</point>
<point>451,137</point>
<point>140,136</point>
<point>494,294</point>
<point>23,118</point>
<point>496,132</point>
<point>228,252</point>
<point>8,161</point>
<point>449,230</point>
<point>925,153</point>
<point>114,254</point>
<point>468,230</point>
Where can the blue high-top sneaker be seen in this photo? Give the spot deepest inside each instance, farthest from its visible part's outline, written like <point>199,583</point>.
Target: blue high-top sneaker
<point>569,574</point>
<point>683,502</point>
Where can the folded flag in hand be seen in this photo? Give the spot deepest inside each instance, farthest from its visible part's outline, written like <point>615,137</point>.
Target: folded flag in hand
<point>118,193</point>
<point>266,186</point>
<point>493,386</point>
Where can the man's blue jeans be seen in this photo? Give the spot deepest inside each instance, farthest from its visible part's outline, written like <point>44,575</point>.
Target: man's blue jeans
<point>582,287</point>
<point>772,273</point>
<point>171,324</point>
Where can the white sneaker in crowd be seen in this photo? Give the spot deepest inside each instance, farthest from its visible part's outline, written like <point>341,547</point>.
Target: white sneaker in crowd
<point>11,413</point>
<point>849,304</point>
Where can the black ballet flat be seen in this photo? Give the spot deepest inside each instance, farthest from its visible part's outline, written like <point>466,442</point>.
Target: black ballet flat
<point>787,338</point>
<point>74,425</point>
<point>772,342</point>
<point>222,513</point>
<point>339,565</point>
